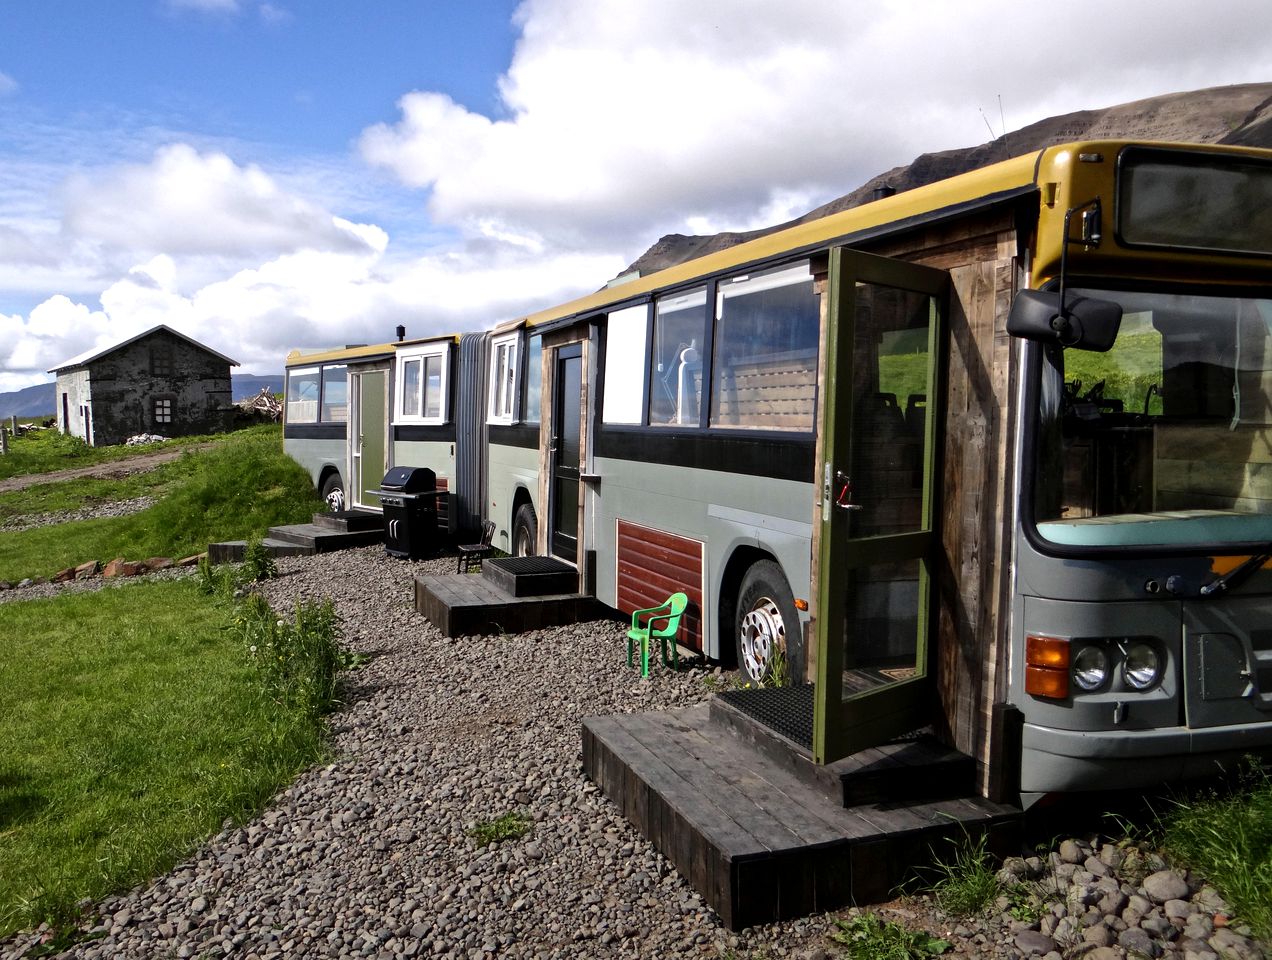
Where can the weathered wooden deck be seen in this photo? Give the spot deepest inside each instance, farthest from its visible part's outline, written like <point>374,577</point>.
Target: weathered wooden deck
<point>758,840</point>
<point>511,594</point>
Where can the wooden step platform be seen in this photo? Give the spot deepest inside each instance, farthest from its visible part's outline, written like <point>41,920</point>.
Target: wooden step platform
<point>512,594</point>
<point>326,532</point>
<point>757,841</point>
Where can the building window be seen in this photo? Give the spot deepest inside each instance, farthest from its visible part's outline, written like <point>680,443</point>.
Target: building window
<point>422,383</point>
<point>163,411</point>
<point>503,379</point>
<point>161,360</point>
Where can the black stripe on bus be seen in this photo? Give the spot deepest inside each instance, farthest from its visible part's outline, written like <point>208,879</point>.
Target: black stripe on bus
<point>778,458</point>
<point>524,435</point>
<point>439,432</point>
<point>314,431</point>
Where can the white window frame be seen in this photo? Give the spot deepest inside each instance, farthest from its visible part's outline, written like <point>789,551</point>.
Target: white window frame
<point>421,353</point>
<point>505,377</point>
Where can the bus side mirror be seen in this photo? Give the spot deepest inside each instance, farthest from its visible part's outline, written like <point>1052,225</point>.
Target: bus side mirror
<point>1084,323</point>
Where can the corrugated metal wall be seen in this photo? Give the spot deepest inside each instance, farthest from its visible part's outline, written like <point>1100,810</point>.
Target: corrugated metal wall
<point>470,430</point>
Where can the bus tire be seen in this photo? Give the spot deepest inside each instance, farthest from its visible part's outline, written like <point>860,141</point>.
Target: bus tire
<point>766,620</point>
<point>333,493</point>
<point>525,532</point>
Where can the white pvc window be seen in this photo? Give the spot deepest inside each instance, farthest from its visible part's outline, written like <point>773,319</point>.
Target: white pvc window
<point>626,343</point>
<point>503,380</point>
<point>422,384</point>
<point>534,378</point>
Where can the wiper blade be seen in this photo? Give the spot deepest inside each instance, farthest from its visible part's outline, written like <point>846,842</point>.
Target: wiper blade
<point>1237,573</point>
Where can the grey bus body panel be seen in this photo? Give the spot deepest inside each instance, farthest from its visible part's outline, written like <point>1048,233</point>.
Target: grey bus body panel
<point>1212,704</point>
<point>725,512</point>
<point>509,468</point>
<point>317,456</point>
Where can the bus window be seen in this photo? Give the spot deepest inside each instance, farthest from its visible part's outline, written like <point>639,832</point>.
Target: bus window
<point>534,378</point>
<point>626,336</point>
<point>675,390</point>
<point>1164,438</point>
<point>302,395</point>
<point>764,374</point>
<point>335,394</point>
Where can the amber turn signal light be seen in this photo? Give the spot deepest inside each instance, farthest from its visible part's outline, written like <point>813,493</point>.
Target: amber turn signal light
<point>1047,667</point>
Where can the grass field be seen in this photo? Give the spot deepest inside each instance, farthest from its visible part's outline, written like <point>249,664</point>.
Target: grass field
<point>235,489</point>
<point>132,723</point>
<point>42,451</point>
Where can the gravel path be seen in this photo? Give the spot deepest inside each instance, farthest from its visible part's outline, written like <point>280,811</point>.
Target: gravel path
<point>123,467</point>
<point>369,856</point>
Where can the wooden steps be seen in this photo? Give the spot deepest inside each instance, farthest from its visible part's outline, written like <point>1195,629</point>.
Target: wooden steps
<point>326,532</point>
<point>512,594</point>
<point>757,839</point>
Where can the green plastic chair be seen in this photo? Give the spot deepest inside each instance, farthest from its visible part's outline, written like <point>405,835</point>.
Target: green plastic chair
<point>663,622</point>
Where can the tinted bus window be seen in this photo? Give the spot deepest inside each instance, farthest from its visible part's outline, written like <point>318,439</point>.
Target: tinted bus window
<point>675,391</point>
<point>335,395</point>
<point>765,367</point>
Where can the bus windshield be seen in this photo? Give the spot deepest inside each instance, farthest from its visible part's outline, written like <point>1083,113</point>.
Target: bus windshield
<point>1166,439</point>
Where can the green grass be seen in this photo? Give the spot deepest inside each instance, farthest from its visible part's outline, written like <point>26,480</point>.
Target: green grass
<point>93,491</point>
<point>41,451</point>
<point>867,937</point>
<point>511,826</point>
<point>231,491</point>
<point>132,723</point>
<point>1228,839</point>
<point>969,882</point>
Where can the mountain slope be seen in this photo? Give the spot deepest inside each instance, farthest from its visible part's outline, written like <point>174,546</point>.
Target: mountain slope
<point>1240,115</point>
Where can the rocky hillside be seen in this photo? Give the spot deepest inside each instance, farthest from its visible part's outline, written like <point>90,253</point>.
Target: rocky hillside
<point>1237,114</point>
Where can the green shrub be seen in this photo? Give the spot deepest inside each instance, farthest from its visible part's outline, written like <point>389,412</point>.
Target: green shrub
<point>297,662</point>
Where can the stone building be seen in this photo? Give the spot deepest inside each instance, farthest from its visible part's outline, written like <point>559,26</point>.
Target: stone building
<point>159,382</point>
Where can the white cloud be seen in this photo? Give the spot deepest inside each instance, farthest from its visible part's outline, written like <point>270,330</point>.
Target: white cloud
<point>646,118</point>
<point>619,122</point>
<point>185,202</point>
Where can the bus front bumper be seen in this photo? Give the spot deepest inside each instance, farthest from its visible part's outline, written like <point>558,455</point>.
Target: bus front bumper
<point>1062,761</point>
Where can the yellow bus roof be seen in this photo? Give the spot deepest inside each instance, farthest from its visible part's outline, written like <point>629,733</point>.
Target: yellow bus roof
<point>1007,178</point>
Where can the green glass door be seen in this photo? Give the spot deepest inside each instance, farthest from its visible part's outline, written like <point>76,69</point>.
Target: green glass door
<point>878,536</point>
<point>369,439</point>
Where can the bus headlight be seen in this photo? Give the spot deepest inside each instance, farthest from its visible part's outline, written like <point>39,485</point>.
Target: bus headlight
<point>1141,667</point>
<point>1090,668</point>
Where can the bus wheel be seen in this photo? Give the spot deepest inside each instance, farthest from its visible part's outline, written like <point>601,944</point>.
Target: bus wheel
<point>767,622</point>
<point>333,493</point>
<point>525,531</point>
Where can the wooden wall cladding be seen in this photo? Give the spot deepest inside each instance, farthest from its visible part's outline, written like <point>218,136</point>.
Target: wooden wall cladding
<point>652,565</point>
<point>970,658</point>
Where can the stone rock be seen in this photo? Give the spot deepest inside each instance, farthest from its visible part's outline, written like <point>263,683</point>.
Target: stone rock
<point>191,561</point>
<point>1071,852</point>
<point>1178,910</point>
<point>1105,953</point>
<point>1165,885</point>
<point>86,570</point>
<point>158,563</point>
<point>1032,943</point>
<point>1099,935</point>
<point>63,576</point>
<point>1137,940</point>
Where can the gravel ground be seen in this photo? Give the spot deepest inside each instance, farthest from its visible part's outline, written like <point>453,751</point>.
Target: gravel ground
<point>117,508</point>
<point>369,856</point>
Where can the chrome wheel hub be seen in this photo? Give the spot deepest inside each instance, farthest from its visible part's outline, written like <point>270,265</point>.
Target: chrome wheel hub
<point>762,633</point>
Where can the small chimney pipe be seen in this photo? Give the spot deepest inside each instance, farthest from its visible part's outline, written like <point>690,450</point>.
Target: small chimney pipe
<point>882,191</point>
<point>401,333</point>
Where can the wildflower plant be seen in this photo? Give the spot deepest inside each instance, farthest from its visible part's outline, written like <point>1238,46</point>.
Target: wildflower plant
<point>297,661</point>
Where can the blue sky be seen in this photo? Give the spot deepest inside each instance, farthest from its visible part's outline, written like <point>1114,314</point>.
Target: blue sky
<point>265,176</point>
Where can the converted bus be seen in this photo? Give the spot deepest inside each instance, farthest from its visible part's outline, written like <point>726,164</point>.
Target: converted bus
<point>993,456</point>
<point>349,414</point>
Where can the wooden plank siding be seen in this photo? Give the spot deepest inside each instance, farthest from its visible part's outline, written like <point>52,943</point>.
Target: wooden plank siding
<point>652,565</point>
<point>975,496</point>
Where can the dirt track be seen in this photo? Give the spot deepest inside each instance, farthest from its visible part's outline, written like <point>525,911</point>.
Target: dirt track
<point>115,468</point>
